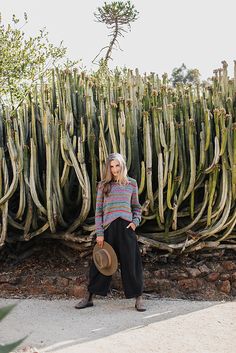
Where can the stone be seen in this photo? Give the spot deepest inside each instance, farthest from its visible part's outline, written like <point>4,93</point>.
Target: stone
<point>4,278</point>
<point>160,274</point>
<point>211,266</point>
<point>188,285</point>
<point>164,285</point>
<point>8,287</point>
<point>233,285</point>
<point>193,272</point>
<point>8,279</point>
<point>29,280</point>
<point>217,267</point>
<point>79,291</point>
<point>178,275</point>
<point>225,287</point>
<point>224,276</point>
<point>233,277</point>
<point>204,270</point>
<point>46,281</point>
<point>201,283</point>
<point>55,290</point>
<point>212,277</point>
<point>62,282</point>
<point>79,280</point>
<point>35,291</point>
<point>209,294</point>
<point>229,265</point>
<point>158,285</point>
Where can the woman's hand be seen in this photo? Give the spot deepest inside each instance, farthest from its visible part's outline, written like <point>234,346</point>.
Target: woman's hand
<point>100,241</point>
<point>132,225</point>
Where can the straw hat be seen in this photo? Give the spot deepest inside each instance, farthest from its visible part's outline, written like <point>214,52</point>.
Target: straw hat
<point>105,259</point>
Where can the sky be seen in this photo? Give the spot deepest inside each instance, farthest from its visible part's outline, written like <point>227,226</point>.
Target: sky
<point>199,33</point>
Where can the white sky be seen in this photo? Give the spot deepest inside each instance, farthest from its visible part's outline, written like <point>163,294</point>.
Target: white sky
<point>200,33</point>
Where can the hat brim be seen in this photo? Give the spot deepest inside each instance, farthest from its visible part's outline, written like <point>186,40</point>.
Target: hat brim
<point>114,262</point>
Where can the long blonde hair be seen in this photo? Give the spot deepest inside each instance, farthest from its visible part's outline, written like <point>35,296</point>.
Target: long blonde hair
<point>107,177</point>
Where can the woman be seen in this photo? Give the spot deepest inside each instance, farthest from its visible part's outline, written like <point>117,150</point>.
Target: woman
<point>117,215</point>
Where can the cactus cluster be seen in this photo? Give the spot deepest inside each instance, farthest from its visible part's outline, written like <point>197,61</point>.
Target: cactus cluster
<point>179,144</point>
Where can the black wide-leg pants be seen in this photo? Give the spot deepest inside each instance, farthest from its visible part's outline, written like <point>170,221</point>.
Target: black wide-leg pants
<point>124,242</point>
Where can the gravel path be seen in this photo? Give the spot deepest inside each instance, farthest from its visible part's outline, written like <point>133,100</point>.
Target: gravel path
<point>113,326</point>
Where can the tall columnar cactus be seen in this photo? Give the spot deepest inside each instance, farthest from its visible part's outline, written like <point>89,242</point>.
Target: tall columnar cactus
<point>179,143</point>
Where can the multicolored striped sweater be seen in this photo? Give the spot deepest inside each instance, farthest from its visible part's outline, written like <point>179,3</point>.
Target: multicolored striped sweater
<point>122,201</point>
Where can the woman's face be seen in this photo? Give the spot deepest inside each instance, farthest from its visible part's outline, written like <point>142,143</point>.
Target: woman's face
<point>115,168</point>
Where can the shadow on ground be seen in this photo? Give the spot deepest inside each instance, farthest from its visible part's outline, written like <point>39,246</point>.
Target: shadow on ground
<point>55,325</point>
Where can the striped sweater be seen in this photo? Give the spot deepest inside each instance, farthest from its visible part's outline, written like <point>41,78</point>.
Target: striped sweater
<point>122,201</point>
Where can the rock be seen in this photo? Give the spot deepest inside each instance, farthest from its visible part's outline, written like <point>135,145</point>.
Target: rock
<point>229,265</point>
<point>54,290</point>
<point>204,270</point>
<point>164,285</point>
<point>233,276</point>
<point>62,282</point>
<point>80,280</point>
<point>178,275</point>
<point>188,285</point>
<point>47,281</point>
<point>209,292</point>
<point>201,283</point>
<point>233,285</point>
<point>79,291</point>
<point>7,287</point>
<point>213,276</point>
<point>160,274</point>
<point>4,278</point>
<point>225,287</point>
<point>193,272</point>
<point>224,276</point>
<point>216,267</point>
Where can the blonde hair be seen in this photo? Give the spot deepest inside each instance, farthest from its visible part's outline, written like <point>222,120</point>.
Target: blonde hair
<point>107,175</point>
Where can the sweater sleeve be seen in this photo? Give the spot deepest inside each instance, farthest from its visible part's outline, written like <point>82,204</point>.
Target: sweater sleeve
<point>99,213</point>
<point>135,206</point>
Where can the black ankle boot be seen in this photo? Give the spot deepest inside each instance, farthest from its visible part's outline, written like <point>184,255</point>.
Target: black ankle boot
<point>86,302</point>
<point>139,304</point>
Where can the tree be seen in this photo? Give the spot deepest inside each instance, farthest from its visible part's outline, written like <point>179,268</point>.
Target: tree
<point>23,61</point>
<point>184,75</point>
<point>117,16</point>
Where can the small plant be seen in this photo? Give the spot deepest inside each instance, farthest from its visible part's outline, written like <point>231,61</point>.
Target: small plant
<point>7,348</point>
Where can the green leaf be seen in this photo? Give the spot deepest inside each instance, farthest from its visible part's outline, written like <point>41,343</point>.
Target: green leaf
<point>6,310</point>
<point>7,348</point>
